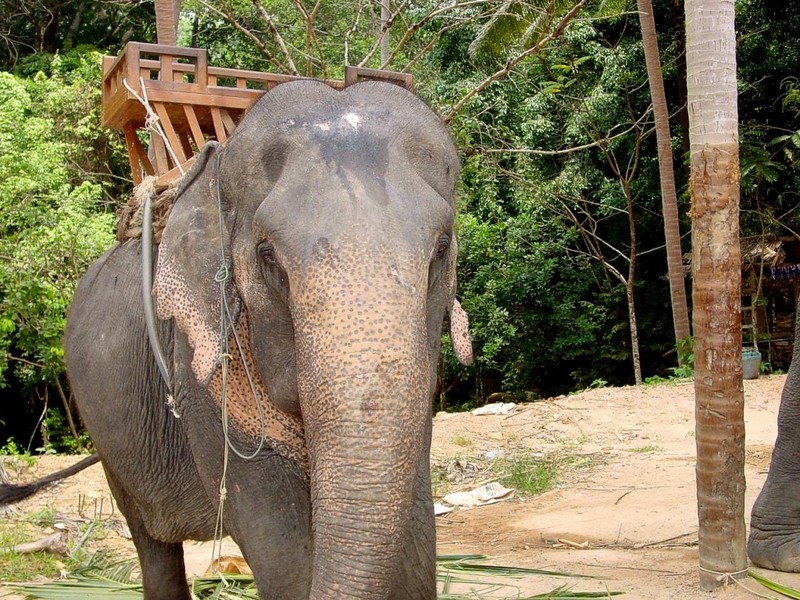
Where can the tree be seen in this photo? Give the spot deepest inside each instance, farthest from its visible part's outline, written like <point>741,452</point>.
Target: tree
<point>28,28</point>
<point>716,269</point>
<point>167,15</point>
<point>53,221</point>
<point>669,199</point>
<point>567,154</point>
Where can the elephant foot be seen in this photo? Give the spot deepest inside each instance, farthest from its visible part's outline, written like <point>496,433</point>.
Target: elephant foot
<point>775,549</point>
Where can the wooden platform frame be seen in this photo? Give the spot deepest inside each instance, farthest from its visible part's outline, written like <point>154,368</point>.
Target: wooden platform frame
<point>194,101</point>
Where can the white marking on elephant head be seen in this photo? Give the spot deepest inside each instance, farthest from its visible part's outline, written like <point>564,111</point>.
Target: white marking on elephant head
<point>352,119</point>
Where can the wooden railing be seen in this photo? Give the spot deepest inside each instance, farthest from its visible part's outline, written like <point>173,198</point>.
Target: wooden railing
<point>193,102</point>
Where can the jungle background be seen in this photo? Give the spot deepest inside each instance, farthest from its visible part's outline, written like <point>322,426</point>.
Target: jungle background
<point>560,225</point>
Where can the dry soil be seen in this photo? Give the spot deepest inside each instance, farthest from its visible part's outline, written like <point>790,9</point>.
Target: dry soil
<point>623,511</point>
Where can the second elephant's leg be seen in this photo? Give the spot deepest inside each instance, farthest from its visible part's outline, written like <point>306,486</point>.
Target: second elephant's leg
<point>774,540</point>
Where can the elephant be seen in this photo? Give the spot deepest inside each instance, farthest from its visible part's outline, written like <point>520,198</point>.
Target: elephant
<point>774,540</point>
<point>299,293</point>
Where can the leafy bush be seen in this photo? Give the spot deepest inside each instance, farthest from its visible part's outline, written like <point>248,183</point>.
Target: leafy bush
<point>53,223</point>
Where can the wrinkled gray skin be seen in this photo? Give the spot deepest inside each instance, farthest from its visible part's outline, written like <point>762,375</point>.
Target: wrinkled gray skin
<point>774,541</point>
<point>338,224</point>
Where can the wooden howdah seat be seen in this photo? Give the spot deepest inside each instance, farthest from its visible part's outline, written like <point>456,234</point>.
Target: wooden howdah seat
<point>193,101</point>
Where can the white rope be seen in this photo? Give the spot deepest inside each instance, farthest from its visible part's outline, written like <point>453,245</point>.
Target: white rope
<point>153,122</point>
<point>731,578</point>
<point>724,577</point>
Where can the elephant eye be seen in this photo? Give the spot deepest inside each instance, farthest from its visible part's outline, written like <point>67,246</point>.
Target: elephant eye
<point>442,244</point>
<point>267,252</point>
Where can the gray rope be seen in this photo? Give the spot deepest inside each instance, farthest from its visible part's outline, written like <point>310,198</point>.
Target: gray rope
<point>147,291</point>
<point>222,277</point>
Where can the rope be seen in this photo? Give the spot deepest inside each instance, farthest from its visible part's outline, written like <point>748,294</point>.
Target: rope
<point>222,277</point>
<point>724,577</point>
<point>738,582</point>
<point>152,122</point>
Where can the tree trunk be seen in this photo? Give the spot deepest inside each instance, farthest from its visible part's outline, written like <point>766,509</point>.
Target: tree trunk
<point>679,35</point>
<point>669,198</point>
<point>630,285</point>
<point>716,268</point>
<point>167,13</point>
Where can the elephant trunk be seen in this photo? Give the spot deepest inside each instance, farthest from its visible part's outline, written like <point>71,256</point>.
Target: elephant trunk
<point>366,376</point>
<point>363,470</point>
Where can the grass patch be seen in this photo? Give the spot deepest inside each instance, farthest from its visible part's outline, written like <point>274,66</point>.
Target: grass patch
<point>29,566</point>
<point>462,441</point>
<point>439,482</point>
<point>646,449</point>
<point>527,474</point>
<point>24,567</point>
<point>43,517</point>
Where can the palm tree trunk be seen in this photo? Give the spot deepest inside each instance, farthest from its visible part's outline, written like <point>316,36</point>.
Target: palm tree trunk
<point>669,198</point>
<point>716,267</point>
<point>167,13</point>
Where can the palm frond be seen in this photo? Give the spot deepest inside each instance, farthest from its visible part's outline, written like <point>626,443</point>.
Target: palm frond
<point>103,578</point>
<point>523,23</point>
<point>775,586</point>
<point>503,29</point>
<point>469,563</point>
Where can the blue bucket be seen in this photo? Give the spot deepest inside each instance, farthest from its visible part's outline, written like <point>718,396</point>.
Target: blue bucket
<point>751,363</point>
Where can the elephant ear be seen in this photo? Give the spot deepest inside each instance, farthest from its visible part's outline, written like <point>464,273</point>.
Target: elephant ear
<point>459,321</point>
<point>459,333</point>
<point>193,257</point>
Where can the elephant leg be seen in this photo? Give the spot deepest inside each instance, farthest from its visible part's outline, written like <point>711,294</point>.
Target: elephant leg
<point>161,563</point>
<point>774,540</point>
<point>272,527</point>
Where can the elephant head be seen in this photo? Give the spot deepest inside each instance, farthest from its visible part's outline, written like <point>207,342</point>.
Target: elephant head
<point>334,212</point>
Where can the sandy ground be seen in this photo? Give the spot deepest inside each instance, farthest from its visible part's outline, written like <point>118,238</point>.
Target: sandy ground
<point>623,511</point>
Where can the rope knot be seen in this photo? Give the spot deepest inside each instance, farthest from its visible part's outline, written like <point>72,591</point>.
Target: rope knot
<point>223,274</point>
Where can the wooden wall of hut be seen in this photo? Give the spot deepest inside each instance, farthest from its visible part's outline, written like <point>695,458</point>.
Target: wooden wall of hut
<point>770,289</point>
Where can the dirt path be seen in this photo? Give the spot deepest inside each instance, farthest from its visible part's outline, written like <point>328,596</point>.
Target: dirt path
<point>624,510</point>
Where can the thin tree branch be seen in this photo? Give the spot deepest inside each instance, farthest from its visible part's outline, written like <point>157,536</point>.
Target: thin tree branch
<point>416,26</point>
<point>247,33</point>
<point>276,36</point>
<point>594,144</point>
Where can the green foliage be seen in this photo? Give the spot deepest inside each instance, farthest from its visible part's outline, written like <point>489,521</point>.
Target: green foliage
<point>13,449</point>
<point>32,30</point>
<point>52,225</point>
<point>547,314</point>
<point>769,116</point>
<point>58,439</point>
<point>23,567</point>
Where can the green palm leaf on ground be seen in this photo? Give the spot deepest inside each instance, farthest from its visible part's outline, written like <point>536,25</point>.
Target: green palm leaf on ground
<point>105,579</point>
<point>775,586</point>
